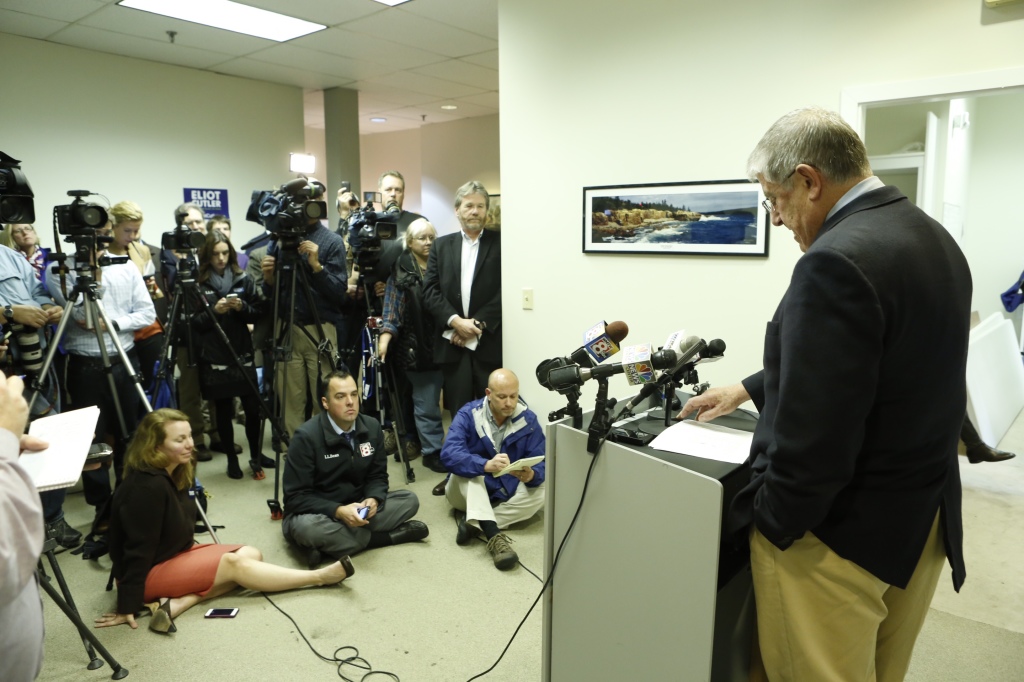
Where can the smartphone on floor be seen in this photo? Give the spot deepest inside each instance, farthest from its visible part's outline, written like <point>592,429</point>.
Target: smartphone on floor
<point>222,613</point>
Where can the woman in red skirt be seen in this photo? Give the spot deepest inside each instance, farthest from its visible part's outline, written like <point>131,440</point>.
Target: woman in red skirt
<point>156,563</point>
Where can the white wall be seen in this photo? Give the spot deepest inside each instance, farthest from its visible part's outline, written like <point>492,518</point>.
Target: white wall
<point>994,224</point>
<point>398,151</point>
<point>595,92</point>
<point>139,130</point>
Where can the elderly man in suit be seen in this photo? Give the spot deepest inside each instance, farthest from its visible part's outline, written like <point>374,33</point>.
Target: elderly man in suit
<point>853,505</point>
<point>462,290</point>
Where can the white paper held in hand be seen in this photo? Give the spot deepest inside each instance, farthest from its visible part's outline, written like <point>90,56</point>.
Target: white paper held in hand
<point>69,435</point>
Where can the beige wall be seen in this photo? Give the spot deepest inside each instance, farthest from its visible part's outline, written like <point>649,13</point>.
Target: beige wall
<point>139,130</point>
<point>595,92</point>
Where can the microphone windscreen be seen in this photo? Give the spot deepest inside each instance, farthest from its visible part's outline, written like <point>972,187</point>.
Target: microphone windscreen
<point>716,347</point>
<point>617,330</point>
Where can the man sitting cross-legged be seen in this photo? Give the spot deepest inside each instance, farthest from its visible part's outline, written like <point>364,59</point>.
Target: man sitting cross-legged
<point>485,437</point>
<point>336,498</point>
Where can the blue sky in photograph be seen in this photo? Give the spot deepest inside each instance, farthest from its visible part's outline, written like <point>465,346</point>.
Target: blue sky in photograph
<point>703,202</point>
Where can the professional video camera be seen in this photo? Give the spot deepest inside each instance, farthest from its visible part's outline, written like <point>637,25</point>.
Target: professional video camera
<point>79,218</point>
<point>16,205</point>
<point>181,238</point>
<point>290,212</point>
<point>367,228</point>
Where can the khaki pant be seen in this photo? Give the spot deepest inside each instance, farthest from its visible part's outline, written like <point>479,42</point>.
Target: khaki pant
<point>822,618</point>
<point>470,495</point>
<point>302,374</point>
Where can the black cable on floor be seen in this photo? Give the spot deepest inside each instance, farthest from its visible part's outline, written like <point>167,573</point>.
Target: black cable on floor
<point>355,660</point>
<point>551,574</point>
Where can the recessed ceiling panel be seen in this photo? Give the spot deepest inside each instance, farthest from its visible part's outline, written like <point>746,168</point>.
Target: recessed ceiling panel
<point>433,36</point>
<point>275,73</point>
<point>462,72</point>
<point>62,10</point>
<point>300,58</point>
<point>477,16</point>
<point>28,25</point>
<point>367,48</point>
<point>140,48</point>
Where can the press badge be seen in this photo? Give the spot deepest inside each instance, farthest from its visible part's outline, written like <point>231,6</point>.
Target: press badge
<point>365,449</point>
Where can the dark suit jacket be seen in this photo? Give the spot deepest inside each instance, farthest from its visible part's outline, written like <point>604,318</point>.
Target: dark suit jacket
<point>863,392</point>
<point>442,292</point>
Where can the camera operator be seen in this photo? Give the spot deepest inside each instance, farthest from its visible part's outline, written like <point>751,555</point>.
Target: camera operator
<point>233,304</point>
<point>350,331</point>
<point>391,186</point>
<point>129,306</point>
<point>28,310</point>
<point>321,255</point>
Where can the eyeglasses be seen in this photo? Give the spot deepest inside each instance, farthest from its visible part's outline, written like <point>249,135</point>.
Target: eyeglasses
<point>768,204</point>
<point>22,230</point>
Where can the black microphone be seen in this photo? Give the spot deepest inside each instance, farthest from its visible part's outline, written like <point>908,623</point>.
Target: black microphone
<point>714,351</point>
<point>574,375</point>
<point>688,348</point>
<point>393,208</point>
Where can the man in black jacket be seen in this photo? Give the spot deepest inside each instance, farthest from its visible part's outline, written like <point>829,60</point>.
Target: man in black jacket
<point>853,506</point>
<point>336,498</point>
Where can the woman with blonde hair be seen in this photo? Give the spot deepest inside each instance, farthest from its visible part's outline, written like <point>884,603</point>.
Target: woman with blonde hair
<point>156,562</point>
<point>22,238</point>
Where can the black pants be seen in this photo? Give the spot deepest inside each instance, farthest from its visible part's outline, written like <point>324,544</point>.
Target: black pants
<point>148,351</point>
<point>224,411</point>
<point>87,386</point>
<point>465,380</point>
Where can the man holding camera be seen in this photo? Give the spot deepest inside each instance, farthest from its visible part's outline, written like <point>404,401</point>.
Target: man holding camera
<point>321,256</point>
<point>336,498</point>
<point>28,309</point>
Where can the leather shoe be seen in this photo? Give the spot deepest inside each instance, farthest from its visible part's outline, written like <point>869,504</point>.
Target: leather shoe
<point>410,531</point>
<point>983,453</point>
<point>219,447</point>
<point>433,462</point>
<point>464,532</point>
<point>438,489</point>
<point>314,558</point>
<point>202,454</point>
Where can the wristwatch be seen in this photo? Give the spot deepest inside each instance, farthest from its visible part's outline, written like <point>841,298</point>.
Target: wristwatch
<point>8,313</point>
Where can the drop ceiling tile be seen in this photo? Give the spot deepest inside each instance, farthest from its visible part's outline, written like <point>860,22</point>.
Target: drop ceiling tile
<point>370,104</point>
<point>487,99</point>
<point>140,48</point>
<point>427,85</point>
<point>28,25</point>
<point>301,58</point>
<point>141,24</point>
<point>392,93</point>
<point>462,72</point>
<point>433,36</point>
<point>61,10</point>
<point>478,16</point>
<point>276,73</point>
<point>488,59</point>
<point>465,109</point>
<point>432,114</point>
<point>367,48</point>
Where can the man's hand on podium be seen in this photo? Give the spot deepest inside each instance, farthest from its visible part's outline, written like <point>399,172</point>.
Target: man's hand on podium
<point>714,403</point>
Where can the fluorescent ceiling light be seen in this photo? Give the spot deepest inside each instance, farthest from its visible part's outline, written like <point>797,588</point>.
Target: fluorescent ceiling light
<point>449,107</point>
<point>302,163</point>
<point>230,16</point>
<point>392,3</point>
<point>378,119</point>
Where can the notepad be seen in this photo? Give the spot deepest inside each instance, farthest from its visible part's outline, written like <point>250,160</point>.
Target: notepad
<point>69,434</point>
<point>520,464</point>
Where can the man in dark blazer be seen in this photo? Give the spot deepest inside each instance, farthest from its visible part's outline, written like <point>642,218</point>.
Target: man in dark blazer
<point>854,500</point>
<point>466,304</point>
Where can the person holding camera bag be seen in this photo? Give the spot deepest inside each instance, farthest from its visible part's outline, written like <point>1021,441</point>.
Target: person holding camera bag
<point>407,339</point>
<point>233,304</point>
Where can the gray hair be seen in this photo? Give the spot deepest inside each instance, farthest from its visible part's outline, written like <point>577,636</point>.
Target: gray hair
<point>472,187</point>
<point>415,229</point>
<point>814,136</point>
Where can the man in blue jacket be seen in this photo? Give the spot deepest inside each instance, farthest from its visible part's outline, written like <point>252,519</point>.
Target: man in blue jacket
<point>486,437</point>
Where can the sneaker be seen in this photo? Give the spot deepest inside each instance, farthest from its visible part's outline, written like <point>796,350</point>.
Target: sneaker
<point>390,442</point>
<point>63,534</point>
<point>412,450</point>
<point>500,547</point>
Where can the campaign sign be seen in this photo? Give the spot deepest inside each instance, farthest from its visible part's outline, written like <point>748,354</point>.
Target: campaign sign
<point>637,365</point>
<point>212,201</point>
<point>598,344</point>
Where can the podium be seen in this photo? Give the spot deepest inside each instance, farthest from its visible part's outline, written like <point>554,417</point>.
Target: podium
<point>644,588</point>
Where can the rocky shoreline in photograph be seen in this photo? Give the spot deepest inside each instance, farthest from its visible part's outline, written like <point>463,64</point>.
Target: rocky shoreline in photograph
<point>625,222</point>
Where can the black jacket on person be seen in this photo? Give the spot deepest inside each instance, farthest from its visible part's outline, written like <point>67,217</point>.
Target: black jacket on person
<point>234,323</point>
<point>323,472</point>
<point>416,326</point>
<point>151,522</point>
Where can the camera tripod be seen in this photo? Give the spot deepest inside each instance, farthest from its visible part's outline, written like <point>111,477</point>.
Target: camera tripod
<point>386,386</point>
<point>185,297</point>
<point>287,268</point>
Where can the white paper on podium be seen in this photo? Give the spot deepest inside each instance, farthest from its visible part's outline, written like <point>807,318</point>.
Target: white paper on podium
<point>708,441</point>
<point>70,435</point>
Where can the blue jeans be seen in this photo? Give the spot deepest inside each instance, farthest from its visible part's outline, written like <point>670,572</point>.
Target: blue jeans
<point>426,397</point>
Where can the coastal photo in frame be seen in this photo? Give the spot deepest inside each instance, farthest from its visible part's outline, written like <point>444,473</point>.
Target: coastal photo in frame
<point>714,218</point>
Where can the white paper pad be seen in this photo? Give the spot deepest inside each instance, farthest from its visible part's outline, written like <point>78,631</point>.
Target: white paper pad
<point>470,345</point>
<point>708,441</point>
<point>69,434</point>
<point>519,464</point>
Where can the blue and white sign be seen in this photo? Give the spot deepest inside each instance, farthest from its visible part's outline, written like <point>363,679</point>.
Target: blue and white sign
<point>212,201</point>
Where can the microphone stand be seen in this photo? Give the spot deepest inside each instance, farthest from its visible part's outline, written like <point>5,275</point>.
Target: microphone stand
<point>572,408</point>
<point>600,424</point>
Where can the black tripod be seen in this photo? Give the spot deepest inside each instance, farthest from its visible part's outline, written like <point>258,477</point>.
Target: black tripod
<point>186,296</point>
<point>286,265</point>
<point>66,603</point>
<point>386,386</point>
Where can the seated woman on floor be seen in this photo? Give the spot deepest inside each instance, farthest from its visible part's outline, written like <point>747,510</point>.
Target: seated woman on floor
<point>156,563</point>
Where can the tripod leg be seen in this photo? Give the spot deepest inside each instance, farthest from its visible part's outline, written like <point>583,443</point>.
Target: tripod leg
<point>66,591</point>
<point>398,422</point>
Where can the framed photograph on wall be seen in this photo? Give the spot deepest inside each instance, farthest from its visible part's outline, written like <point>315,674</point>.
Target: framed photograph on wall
<point>713,218</point>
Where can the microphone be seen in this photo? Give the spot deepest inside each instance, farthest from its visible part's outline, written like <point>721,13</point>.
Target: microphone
<point>639,365</point>
<point>689,347</point>
<point>600,342</point>
<point>713,353</point>
<point>684,350</point>
<point>393,208</point>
